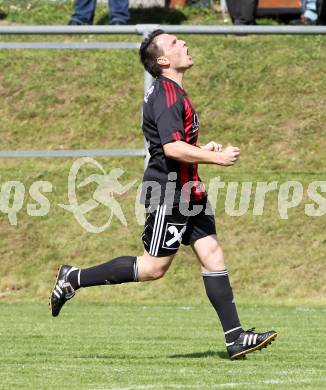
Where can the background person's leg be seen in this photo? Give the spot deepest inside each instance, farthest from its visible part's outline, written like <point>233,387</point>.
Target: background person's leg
<point>84,12</point>
<point>234,9</point>
<point>248,11</point>
<point>118,11</point>
<point>310,10</point>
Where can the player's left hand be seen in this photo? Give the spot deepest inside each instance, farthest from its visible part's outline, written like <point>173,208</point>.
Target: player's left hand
<point>213,147</point>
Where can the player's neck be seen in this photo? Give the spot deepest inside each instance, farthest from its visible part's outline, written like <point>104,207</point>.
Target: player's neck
<point>175,76</point>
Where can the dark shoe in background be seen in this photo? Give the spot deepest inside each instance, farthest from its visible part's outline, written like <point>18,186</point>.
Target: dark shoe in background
<point>3,15</point>
<point>74,23</point>
<point>117,23</point>
<point>302,22</point>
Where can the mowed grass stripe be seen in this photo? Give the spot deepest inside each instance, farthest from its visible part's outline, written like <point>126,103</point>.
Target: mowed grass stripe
<point>219,386</point>
<point>98,346</point>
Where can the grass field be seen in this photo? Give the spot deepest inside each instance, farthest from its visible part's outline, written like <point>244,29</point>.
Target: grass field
<point>249,91</point>
<point>136,347</point>
<point>254,92</point>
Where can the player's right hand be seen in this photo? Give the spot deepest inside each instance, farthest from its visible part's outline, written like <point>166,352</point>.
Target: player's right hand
<point>228,157</point>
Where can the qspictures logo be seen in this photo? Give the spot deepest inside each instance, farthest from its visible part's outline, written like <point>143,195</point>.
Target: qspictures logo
<point>108,186</point>
<point>238,198</point>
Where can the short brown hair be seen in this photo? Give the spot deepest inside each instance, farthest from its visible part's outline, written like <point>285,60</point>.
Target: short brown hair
<point>149,52</point>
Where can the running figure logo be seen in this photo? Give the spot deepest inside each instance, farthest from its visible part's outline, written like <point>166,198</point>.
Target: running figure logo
<point>108,185</point>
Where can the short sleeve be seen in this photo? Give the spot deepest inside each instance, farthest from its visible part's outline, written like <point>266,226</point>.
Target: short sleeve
<point>168,116</point>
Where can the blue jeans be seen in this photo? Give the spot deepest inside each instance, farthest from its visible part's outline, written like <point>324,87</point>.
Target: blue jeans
<point>85,11</point>
<point>310,10</point>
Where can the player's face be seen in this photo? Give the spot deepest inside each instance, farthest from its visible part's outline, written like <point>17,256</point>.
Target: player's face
<point>175,52</point>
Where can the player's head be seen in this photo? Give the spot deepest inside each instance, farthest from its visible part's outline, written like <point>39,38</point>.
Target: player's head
<point>160,51</point>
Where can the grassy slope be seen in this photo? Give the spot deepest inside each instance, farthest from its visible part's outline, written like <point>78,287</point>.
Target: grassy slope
<point>144,347</point>
<point>249,91</point>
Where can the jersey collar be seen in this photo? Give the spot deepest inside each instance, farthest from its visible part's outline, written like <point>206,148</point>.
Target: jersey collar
<point>181,90</point>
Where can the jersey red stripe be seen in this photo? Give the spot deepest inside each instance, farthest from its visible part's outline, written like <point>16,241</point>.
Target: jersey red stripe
<point>186,169</point>
<point>199,188</point>
<point>176,136</point>
<point>167,94</point>
<point>184,178</point>
<point>192,169</point>
<point>188,120</point>
<point>173,92</point>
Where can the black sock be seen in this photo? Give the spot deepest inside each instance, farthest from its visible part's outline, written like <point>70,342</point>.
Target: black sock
<point>120,270</point>
<point>219,292</point>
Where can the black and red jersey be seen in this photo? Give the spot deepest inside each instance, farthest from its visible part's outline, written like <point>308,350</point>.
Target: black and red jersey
<point>168,116</point>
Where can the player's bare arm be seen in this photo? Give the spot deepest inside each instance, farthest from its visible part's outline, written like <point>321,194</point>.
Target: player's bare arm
<point>185,152</point>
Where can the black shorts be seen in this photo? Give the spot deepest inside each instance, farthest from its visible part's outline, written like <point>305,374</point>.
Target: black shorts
<point>165,229</point>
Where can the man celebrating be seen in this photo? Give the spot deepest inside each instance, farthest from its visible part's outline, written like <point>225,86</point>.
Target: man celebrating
<point>176,203</point>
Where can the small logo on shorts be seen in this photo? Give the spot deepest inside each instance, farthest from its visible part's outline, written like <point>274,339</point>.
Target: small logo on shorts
<point>173,235</point>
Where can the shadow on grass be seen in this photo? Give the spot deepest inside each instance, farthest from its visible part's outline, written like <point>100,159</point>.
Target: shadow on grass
<point>152,16</point>
<point>198,355</point>
<point>194,355</point>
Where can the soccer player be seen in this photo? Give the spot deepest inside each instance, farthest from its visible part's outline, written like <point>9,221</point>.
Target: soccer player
<point>176,203</point>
